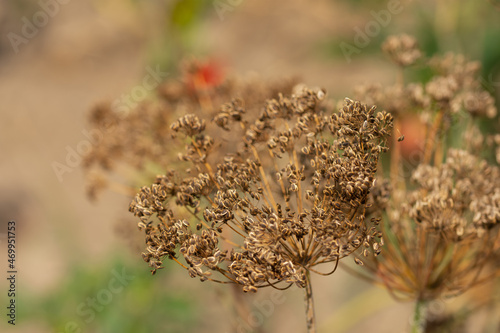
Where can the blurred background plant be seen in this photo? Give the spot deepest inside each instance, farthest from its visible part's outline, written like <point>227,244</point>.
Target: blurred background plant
<point>116,296</point>
<point>442,214</point>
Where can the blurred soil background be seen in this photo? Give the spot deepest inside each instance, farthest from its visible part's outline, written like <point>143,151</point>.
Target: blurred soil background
<point>68,248</point>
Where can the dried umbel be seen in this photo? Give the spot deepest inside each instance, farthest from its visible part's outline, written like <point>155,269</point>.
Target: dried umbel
<point>442,89</point>
<point>402,49</point>
<point>464,71</point>
<point>454,93</point>
<point>292,194</point>
<point>444,234</point>
<point>442,223</point>
<point>455,85</point>
<point>477,103</point>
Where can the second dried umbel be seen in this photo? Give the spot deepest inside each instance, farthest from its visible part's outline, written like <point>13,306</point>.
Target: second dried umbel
<point>441,226</point>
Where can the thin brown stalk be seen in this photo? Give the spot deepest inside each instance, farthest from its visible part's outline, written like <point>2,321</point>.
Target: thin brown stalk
<point>310,317</point>
<point>430,143</point>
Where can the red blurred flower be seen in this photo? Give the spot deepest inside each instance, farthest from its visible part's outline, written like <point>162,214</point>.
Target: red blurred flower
<point>203,75</point>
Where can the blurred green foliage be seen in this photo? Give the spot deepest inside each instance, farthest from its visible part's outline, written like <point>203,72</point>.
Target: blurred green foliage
<point>141,304</point>
<point>186,14</point>
<point>468,27</point>
<point>180,32</point>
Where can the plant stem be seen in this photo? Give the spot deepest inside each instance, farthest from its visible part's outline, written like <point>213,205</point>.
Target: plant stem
<point>432,139</point>
<point>311,320</point>
<point>418,323</point>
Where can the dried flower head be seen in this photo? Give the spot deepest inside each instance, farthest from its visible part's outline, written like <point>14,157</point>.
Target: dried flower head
<point>291,194</point>
<point>464,72</point>
<point>457,86</point>
<point>402,49</point>
<point>442,89</point>
<point>442,224</point>
<point>478,103</point>
<point>444,233</point>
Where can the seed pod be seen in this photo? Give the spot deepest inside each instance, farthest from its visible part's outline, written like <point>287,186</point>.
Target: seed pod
<point>358,262</point>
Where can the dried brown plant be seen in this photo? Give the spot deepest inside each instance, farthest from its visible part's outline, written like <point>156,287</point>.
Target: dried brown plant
<point>441,226</point>
<point>290,193</point>
<point>402,49</point>
<point>445,230</point>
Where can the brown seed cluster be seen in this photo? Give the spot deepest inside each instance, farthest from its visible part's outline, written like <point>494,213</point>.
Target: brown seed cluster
<point>402,49</point>
<point>444,234</point>
<point>454,87</point>
<point>459,198</point>
<point>290,193</point>
<point>457,86</point>
<point>442,224</point>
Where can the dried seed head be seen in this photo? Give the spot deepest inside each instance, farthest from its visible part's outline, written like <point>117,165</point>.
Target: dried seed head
<point>402,49</point>
<point>293,203</point>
